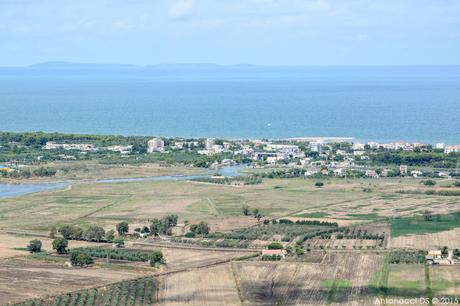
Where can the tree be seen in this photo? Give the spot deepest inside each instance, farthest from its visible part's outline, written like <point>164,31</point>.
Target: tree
<point>156,258</point>
<point>163,226</point>
<point>95,233</point>
<point>444,251</point>
<point>122,228</point>
<point>110,235</point>
<point>60,245</point>
<point>427,215</point>
<point>67,231</point>
<point>255,211</point>
<point>80,258</point>
<point>35,246</point>
<point>71,232</point>
<point>119,242</point>
<point>145,230</point>
<point>319,184</point>
<point>155,227</point>
<point>429,183</point>
<point>201,228</point>
<point>275,246</point>
<point>245,210</point>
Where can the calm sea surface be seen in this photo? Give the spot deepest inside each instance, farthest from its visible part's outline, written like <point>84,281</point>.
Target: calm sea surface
<point>369,103</point>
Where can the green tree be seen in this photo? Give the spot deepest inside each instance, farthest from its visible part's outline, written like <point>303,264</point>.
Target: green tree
<point>80,258</point>
<point>156,258</point>
<point>122,228</point>
<point>201,228</point>
<point>429,183</point>
<point>275,246</point>
<point>95,233</point>
<point>35,246</point>
<point>67,231</point>
<point>60,245</point>
<point>246,210</point>
<point>319,184</point>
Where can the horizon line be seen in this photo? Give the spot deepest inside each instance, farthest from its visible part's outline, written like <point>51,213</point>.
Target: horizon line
<point>63,64</point>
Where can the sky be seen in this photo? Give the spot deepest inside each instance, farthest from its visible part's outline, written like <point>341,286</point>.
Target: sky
<point>263,32</point>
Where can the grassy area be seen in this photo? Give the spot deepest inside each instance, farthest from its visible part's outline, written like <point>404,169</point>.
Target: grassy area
<point>418,225</point>
<point>370,216</point>
<point>136,202</point>
<point>313,215</point>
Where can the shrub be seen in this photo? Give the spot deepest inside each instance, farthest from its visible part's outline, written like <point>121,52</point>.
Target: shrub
<point>60,245</point>
<point>122,228</point>
<point>275,246</point>
<point>80,258</point>
<point>156,258</point>
<point>428,182</point>
<point>190,235</point>
<point>319,184</point>
<point>35,246</point>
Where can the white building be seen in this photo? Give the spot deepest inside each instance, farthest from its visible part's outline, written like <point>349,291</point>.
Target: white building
<point>155,145</point>
<point>403,169</point>
<point>316,147</point>
<point>440,146</point>
<point>209,143</point>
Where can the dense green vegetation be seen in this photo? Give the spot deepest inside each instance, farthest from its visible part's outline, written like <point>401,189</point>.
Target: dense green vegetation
<point>407,257</point>
<point>434,159</point>
<point>117,254</point>
<point>28,148</point>
<point>287,231</point>
<point>420,225</point>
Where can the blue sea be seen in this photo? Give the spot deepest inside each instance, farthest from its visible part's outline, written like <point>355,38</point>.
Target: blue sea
<point>368,103</point>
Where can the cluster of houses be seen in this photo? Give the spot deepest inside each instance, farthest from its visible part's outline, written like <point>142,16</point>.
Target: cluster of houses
<point>316,154</point>
<point>436,257</point>
<point>84,147</point>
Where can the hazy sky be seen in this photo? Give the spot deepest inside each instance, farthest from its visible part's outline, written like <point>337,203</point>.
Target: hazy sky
<point>270,32</point>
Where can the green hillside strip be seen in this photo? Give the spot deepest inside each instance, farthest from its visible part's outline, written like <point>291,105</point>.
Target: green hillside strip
<point>418,224</point>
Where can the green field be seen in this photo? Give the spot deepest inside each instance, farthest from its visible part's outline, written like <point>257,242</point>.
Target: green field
<point>418,225</point>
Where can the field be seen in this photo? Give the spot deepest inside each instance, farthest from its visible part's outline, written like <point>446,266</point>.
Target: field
<point>308,284</point>
<point>350,270</point>
<point>91,170</point>
<point>450,238</point>
<point>418,225</point>
<point>220,205</point>
<point>208,286</point>
<point>24,278</point>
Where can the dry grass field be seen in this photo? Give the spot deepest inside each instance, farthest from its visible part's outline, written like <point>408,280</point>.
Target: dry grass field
<point>449,238</point>
<point>23,278</point>
<point>177,259</point>
<point>206,286</point>
<point>329,282</point>
<point>13,245</point>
